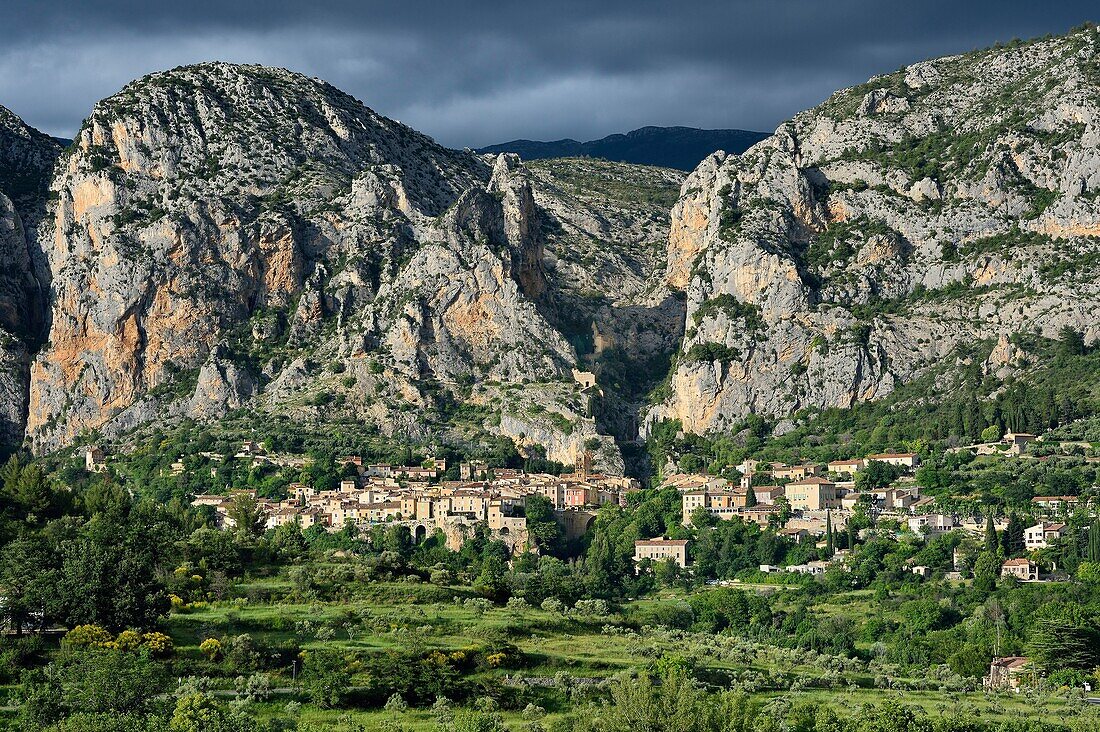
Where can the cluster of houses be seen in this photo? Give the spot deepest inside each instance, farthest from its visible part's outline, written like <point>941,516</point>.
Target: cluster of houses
<point>814,493</point>
<point>819,497</point>
<point>417,497</point>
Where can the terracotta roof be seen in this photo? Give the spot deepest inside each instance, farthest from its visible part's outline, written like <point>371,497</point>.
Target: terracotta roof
<point>661,542</point>
<point>1011,661</point>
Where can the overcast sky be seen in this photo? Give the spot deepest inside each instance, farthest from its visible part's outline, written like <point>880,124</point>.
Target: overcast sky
<point>475,73</point>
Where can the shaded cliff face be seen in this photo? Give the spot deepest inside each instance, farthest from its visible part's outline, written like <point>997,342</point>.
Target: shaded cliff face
<point>871,237</point>
<point>26,164</point>
<point>231,237</point>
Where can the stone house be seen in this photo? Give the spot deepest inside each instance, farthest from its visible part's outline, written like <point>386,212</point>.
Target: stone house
<point>811,494</point>
<point>659,550</point>
<point>1009,672</point>
<point>94,459</point>
<point>1024,570</point>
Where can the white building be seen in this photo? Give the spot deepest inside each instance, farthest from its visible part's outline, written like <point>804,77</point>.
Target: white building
<point>1040,535</point>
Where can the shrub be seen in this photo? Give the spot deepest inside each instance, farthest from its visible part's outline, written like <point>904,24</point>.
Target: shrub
<point>87,636</point>
<point>158,645</point>
<point>211,648</point>
<point>592,607</point>
<point>128,640</point>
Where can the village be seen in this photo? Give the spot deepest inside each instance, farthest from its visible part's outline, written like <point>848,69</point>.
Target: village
<point>417,497</point>
<point>801,503</point>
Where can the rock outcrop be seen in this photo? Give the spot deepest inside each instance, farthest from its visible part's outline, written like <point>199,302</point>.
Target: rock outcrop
<point>26,164</point>
<point>266,232</point>
<point>953,202</point>
<point>226,239</point>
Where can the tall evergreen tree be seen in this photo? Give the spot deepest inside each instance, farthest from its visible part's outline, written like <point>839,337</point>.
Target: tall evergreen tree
<point>1012,539</point>
<point>1094,541</point>
<point>990,534</point>
<point>830,542</point>
<point>750,498</point>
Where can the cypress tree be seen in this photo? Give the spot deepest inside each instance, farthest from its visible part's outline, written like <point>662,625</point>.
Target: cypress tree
<point>1094,541</point>
<point>750,498</point>
<point>990,533</point>
<point>1012,539</point>
<point>829,540</point>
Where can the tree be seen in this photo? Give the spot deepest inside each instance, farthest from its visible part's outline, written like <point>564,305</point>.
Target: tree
<point>491,582</point>
<point>29,577</point>
<point>991,542</point>
<point>992,433</point>
<point>107,683</point>
<point>247,516</point>
<point>830,542</point>
<point>25,491</point>
<point>200,712</point>
<point>1012,538</point>
<point>1064,641</point>
<point>1071,342</point>
<point>542,527</point>
<point>325,678</point>
<point>876,476</point>
<point>701,517</point>
<point>986,568</point>
<point>398,539</point>
<point>288,541</point>
<point>1094,542</point>
<point>109,575</point>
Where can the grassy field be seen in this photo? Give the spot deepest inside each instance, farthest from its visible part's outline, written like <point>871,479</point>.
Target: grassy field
<point>560,661</point>
<point>420,618</point>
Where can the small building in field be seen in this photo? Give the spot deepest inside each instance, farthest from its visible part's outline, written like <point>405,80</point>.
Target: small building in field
<point>1017,441</point>
<point>1009,672</point>
<point>659,550</point>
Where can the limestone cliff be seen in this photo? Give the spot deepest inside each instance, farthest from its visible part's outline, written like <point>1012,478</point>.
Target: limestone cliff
<point>871,237</point>
<point>26,164</point>
<point>237,236</point>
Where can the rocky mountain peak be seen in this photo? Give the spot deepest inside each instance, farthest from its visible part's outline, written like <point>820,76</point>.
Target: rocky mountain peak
<point>868,238</point>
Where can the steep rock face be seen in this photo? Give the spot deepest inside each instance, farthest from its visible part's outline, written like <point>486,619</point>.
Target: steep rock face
<point>27,159</point>
<point>606,227</point>
<point>954,201</point>
<point>26,162</point>
<point>245,234</point>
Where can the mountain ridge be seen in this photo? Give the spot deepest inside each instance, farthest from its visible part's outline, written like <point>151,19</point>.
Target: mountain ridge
<point>228,240</point>
<point>681,148</point>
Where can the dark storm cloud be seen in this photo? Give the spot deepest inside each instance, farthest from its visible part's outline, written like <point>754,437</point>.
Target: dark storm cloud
<point>477,72</point>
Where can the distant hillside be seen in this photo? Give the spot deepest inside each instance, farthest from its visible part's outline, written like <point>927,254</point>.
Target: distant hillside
<point>669,147</point>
